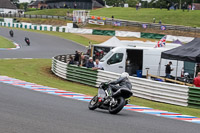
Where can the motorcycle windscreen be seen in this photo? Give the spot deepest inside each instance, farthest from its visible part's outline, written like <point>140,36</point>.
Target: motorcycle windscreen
<point>101,93</point>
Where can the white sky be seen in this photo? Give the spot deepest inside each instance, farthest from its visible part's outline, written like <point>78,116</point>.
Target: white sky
<point>22,1</point>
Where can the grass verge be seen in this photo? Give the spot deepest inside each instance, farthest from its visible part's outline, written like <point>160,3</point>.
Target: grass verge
<point>38,71</point>
<point>177,17</point>
<point>5,43</point>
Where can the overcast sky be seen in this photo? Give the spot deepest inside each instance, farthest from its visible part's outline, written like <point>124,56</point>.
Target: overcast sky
<point>22,1</point>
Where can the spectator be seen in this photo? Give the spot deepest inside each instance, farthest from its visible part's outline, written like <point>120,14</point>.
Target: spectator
<point>77,57</point>
<point>83,61</point>
<point>193,7</point>
<point>71,60</point>
<point>90,63</point>
<point>140,5</point>
<point>97,65</point>
<point>196,80</point>
<point>160,22</point>
<point>189,7</point>
<point>112,17</point>
<point>75,5</point>
<point>68,13</point>
<point>197,68</point>
<point>168,70</point>
<point>184,6</point>
<point>168,6</point>
<point>137,6</point>
<point>154,20</point>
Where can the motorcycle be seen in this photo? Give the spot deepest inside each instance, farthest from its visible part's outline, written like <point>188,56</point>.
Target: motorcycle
<point>109,100</point>
<point>27,41</point>
<point>11,33</point>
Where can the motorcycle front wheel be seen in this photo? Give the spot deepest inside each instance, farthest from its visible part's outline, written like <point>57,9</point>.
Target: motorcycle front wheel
<point>93,104</point>
<point>117,107</point>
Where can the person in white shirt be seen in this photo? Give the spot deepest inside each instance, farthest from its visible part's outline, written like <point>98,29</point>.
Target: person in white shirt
<point>97,65</point>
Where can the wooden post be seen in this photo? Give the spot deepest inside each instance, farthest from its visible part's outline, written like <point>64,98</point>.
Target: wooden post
<point>147,74</point>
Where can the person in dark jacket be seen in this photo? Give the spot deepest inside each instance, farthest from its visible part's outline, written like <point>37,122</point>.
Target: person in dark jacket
<point>90,63</point>
<point>168,69</point>
<point>122,82</point>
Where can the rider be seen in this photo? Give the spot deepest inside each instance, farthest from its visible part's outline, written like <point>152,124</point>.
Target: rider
<point>27,40</point>
<point>122,82</point>
<point>11,33</point>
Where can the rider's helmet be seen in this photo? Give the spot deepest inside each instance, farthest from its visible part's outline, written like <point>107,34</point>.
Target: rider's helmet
<point>124,75</point>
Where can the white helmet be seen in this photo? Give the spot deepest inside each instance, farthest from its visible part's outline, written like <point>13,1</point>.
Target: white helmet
<point>124,74</point>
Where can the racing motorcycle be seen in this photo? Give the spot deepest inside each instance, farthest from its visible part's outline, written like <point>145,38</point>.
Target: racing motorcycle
<point>106,100</point>
<point>11,33</point>
<point>27,41</point>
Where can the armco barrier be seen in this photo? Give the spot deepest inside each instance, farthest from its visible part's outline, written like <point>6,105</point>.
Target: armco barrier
<point>35,16</point>
<point>144,88</point>
<point>82,75</point>
<point>194,97</point>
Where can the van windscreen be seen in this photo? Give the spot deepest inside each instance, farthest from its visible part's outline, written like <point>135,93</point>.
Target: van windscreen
<point>106,56</point>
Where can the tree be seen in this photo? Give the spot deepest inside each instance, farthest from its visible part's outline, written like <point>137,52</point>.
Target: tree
<point>14,1</point>
<point>131,3</point>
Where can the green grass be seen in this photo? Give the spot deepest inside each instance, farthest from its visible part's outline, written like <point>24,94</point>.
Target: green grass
<point>5,43</point>
<point>177,17</point>
<point>52,12</point>
<point>38,71</point>
<point>70,36</point>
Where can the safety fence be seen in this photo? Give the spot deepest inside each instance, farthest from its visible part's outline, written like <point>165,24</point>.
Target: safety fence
<point>194,97</point>
<point>157,26</point>
<point>68,29</point>
<point>143,88</point>
<point>17,15</point>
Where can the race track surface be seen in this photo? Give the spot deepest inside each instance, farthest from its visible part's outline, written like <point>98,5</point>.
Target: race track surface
<point>42,45</point>
<point>26,111</point>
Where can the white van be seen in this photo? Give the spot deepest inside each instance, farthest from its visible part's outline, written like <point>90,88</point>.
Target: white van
<point>135,60</point>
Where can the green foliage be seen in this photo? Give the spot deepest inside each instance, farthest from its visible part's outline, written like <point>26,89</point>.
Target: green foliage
<point>54,12</point>
<point>118,3</point>
<point>23,6</point>
<point>132,3</point>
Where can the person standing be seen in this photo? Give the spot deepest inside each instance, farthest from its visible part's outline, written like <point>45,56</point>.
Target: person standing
<point>184,6</point>
<point>168,69</point>
<point>196,80</point>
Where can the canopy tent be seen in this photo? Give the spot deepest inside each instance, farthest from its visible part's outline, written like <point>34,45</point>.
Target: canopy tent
<point>189,52</point>
<point>112,42</point>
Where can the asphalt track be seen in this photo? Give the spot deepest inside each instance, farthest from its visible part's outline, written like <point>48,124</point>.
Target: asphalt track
<point>26,111</point>
<point>42,45</point>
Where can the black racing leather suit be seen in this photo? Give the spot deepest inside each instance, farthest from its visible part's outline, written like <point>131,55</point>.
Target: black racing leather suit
<point>120,83</point>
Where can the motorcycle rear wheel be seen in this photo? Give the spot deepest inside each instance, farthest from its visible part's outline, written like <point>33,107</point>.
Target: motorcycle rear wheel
<point>118,107</point>
<point>93,104</point>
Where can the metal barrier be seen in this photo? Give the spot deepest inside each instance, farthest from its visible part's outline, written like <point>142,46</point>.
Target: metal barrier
<point>144,88</point>
<point>109,21</point>
<point>34,16</point>
<point>194,97</point>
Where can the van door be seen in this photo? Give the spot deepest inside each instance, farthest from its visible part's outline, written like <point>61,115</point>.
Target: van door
<point>116,62</point>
